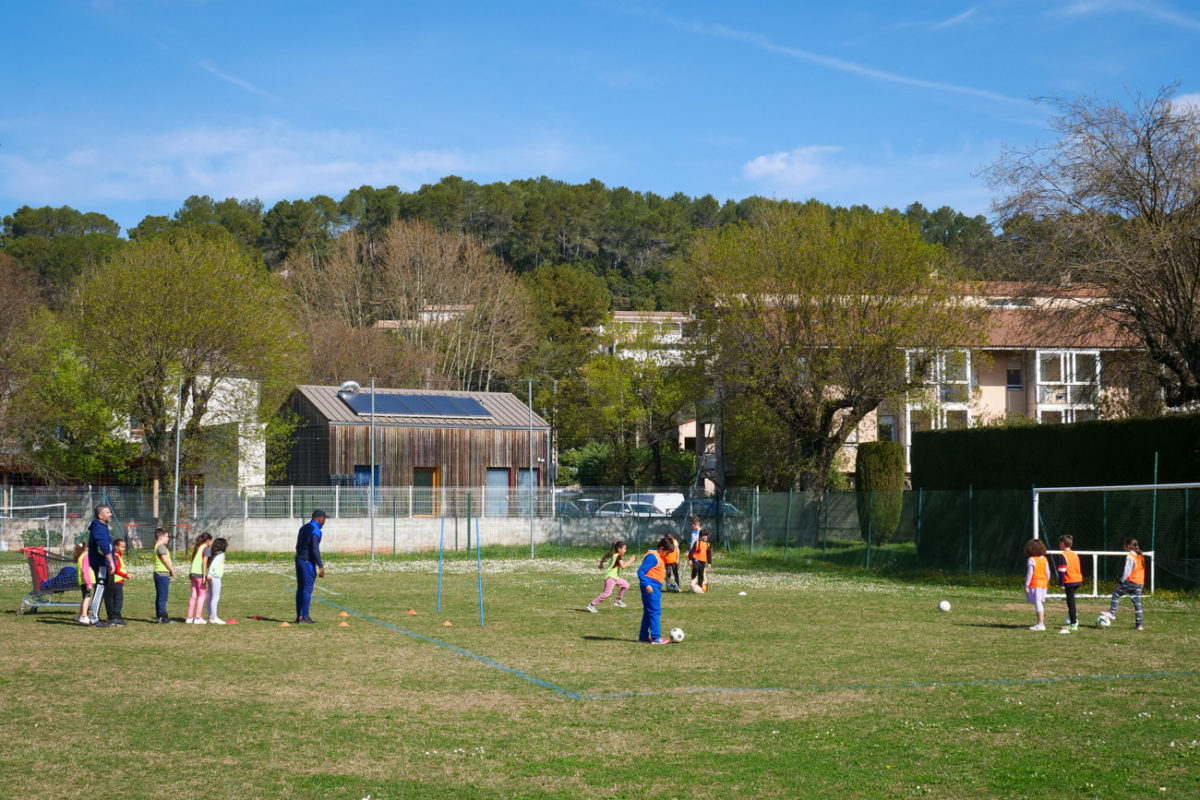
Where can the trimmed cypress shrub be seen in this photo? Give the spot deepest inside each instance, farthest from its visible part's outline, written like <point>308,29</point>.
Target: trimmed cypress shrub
<point>879,482</point>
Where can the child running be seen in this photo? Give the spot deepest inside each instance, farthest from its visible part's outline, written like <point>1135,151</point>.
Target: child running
<point>1131,583</point>
<point>1037,580</point>
<point>700,557</point>
<point>216,570</point>
<point>198,573</point>
<point>612,563</point>
<point>1070,578</point>
<point>651,575</point>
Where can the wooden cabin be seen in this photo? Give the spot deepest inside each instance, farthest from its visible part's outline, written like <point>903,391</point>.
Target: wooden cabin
<point>423,438</point>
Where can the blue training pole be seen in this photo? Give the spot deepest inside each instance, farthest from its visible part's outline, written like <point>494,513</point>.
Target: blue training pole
<point>441,550</point>
<point>479,571</point>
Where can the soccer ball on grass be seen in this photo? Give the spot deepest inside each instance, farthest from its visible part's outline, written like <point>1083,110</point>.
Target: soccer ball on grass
<point>1103,621</point>
<point>944,605</point>
<point>676,635</point>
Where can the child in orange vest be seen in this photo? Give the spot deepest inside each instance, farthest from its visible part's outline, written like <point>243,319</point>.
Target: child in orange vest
<point>700,556</point>
<point>672,560</point>
<point>1037,580</point>
<point>652,574</point>
<point>1070,578</point>
<point>1131,583</point>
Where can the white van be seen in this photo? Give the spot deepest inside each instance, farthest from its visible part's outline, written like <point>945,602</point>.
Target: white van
<point>666,502</point>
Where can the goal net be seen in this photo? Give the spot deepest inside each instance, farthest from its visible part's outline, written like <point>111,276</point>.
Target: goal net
<point>42,525</point>
<point>1164,518</point>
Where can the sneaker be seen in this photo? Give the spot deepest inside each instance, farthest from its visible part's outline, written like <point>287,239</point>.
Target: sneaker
<point>660,640</point>
<point>101,624</point>
<point>308,621</point>
<point>199,621</point>
<point>592,609</point>
<point>619,603</point>
<point>1111,616</point>
<point>189,620</point>
<point>118,622</point>
<point>216,621</point>
<point>85,620</point>
<point>1073,626</point>
<point>1038,627</point>
<point>164,620</point>
<point>1139,627</point>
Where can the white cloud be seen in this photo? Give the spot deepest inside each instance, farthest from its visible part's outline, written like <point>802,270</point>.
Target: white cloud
<point>956,19</point>
<point>833,175</point>
<point>211,69</point>
<point>796,170</point>
<point>1192,101</point>
<point>1146,8</point>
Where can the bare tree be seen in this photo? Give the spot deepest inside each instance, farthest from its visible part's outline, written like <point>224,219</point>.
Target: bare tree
<point>1115,202</point>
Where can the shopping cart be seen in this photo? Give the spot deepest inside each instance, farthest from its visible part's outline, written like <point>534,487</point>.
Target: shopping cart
<point>48,589</point>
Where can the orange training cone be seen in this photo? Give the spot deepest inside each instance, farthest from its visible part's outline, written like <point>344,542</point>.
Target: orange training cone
<point>343,624</point>
<point>343,613</point>
<point>447,624</point>
<point>412,612</point>
<point>285,624</point>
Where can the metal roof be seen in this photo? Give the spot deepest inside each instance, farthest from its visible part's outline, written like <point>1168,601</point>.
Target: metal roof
<point>507,412</point>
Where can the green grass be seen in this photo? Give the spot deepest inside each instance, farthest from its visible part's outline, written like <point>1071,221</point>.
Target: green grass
<point>815,683</point>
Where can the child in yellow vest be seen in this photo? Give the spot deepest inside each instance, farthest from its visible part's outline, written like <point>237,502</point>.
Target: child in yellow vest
<point>1037,580</point>
<point>114,594</point>
<point>1131,583</point>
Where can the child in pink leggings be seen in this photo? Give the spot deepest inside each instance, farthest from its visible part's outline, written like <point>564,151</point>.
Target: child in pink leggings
<point>199,575</point>
<point>612,564</point>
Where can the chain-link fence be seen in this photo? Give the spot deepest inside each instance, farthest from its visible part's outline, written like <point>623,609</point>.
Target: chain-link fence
<point>967,532</point>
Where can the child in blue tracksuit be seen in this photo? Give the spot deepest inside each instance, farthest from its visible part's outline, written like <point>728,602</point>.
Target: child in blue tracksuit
<point>651,575</point>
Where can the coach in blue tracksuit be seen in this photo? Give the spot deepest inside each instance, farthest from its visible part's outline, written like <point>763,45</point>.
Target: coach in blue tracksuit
<point>308,563</point>
<point>100,560</point>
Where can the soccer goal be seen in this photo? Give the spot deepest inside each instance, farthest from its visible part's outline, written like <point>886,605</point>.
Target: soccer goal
<point>43,525</point>
<point>1100,518</point>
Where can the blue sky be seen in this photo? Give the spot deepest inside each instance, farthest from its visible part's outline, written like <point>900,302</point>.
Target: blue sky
<point>127,108</point>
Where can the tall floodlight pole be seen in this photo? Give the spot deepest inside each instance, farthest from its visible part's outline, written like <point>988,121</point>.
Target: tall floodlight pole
<point>175,498</point>
<point>371,499</point>
<point>531,472</point>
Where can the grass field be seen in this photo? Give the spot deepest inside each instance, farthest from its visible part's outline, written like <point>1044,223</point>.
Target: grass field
<point>815,683</point>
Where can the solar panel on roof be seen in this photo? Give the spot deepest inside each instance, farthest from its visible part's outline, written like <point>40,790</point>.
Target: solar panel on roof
<point>414,405</point>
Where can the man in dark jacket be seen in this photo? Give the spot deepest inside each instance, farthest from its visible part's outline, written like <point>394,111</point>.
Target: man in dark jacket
<point>308,563</point>
<point>100,559</point>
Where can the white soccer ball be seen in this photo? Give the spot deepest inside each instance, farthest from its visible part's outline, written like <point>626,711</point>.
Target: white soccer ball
<point>1103,621</point>
<point>944,605</point>
<point>676,634</point>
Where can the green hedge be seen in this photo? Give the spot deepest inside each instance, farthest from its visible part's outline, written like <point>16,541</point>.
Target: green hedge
<point>1103,453</point>
<point>879,481</point>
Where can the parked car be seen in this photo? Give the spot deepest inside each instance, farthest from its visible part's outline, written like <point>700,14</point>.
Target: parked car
<point>666,502</point>
<point>705,508</point>
<point>622,508</point>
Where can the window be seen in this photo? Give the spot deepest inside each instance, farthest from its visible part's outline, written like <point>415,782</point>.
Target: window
<point>424,495</point>
<point>1068,385</point>
<point>1014,379</point>
<point>887,428</point>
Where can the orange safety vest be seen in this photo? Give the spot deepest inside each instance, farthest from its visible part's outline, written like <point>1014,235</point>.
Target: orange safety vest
<point>700,553</point>
<point>1138,573</point>
<point>1039,580</point>
<point>673,553</point>
<point>658,572</point>
<point>1074,573</point>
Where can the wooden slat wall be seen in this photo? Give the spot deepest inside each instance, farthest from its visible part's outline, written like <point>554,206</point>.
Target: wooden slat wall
<point>461,455</point>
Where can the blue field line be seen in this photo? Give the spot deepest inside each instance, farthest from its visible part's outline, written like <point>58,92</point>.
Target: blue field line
<point>848,687</point>
<point>481,659</point>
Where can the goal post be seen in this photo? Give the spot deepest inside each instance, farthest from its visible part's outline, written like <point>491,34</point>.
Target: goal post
<point>1100,518</point>
<point>40,525</point>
